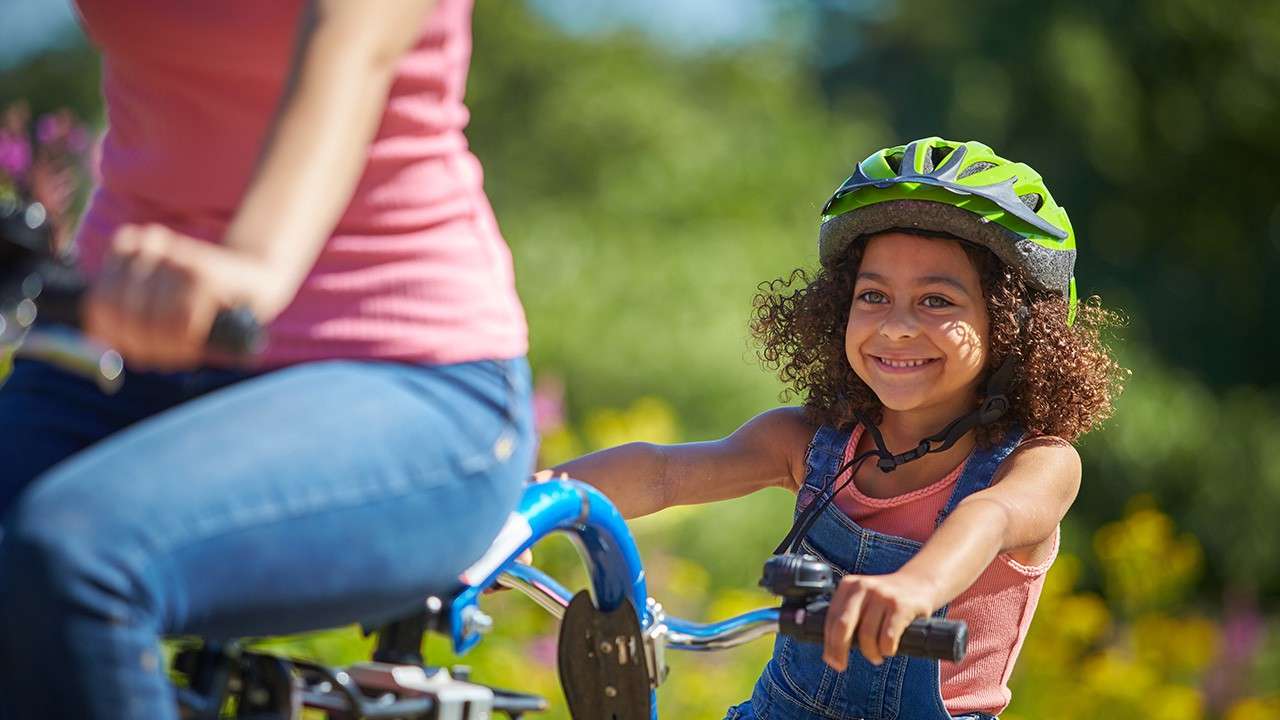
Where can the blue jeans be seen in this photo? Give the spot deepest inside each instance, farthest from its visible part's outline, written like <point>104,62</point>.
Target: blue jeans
<point>218,504</point>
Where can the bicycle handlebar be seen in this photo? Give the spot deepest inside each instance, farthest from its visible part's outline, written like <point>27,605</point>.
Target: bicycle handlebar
<point>235,331</point>
<point>935,638</point>
<point>36,287</point>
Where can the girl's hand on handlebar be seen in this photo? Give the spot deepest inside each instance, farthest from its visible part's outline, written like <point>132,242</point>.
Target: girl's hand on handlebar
<point>159,291</point>
<point>547,476</point>
<point>874,609</point>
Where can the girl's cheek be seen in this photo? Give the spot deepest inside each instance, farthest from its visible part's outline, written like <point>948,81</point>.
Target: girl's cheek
<point>853,355</point>
<point>966,342</point>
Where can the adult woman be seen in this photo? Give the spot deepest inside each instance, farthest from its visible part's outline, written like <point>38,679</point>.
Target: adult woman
<point>305,160</point>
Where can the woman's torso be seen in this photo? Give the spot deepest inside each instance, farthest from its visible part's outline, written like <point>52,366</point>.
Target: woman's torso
<point>416,268</point>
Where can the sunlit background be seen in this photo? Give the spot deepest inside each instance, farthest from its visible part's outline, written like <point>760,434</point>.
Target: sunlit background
<point>652,162</point>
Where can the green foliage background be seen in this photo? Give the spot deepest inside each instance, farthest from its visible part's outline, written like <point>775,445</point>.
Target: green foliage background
<point>646,192</point>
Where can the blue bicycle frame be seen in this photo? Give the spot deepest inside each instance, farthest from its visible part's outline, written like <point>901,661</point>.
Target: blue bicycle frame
<point>613,563</point>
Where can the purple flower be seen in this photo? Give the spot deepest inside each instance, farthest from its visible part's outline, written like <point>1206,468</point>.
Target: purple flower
<point>15,155</point>
<point>1243,635</point>
<point>52,127</point>
<point>78,139</point>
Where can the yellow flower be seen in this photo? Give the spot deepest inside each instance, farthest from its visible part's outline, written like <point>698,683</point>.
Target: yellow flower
<point>1267,708</point>
<point>1144,564</point>
<point>1176,702</point>
<point>648,419</point>
<point>558,446</point>
<point>1177,645</point>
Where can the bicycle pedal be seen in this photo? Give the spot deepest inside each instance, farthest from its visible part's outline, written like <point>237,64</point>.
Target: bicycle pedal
<point>455,700</point>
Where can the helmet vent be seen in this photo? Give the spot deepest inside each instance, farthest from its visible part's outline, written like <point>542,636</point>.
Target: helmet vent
<point>938,155</point>
<point>975,168</point>
<point>1032,200</point>
<point>895,163</point>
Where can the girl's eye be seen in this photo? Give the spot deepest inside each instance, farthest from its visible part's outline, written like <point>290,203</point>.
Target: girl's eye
<point>935,301</point>
<point>875,297</point>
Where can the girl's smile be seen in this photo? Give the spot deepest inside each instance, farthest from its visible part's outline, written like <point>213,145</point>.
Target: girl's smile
<point>918,325</point>
<point>902,365</point>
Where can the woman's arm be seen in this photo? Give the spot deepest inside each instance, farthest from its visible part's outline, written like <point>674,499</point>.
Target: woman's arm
<point>642,478</point>
<point>342,71</point>
<point>160,290</point>
<point>1020,510</point>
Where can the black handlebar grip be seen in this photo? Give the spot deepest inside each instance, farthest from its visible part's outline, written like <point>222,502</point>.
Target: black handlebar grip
<point>935,638</point>
<point>237,332</point>
<point>928,637</point>
<point>805,623</point>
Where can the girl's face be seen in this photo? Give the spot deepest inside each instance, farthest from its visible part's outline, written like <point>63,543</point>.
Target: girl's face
<point>917,333</point>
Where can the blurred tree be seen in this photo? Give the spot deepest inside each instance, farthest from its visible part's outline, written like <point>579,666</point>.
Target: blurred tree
<point>1151,119</point>
<point>62,78</point>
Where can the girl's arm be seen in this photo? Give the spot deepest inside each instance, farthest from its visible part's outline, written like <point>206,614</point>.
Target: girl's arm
<point>1020,511</point>
<point>160,290</point>
<point>641,478</point>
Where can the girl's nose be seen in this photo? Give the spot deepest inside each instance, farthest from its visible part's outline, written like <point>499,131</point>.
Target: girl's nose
<point>900,324</point>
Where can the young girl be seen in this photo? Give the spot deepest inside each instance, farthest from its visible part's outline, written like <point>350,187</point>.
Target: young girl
<point>942,337</point>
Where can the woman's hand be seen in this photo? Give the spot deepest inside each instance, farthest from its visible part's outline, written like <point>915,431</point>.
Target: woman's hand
<point>159,292</point>
<point>876,609</point>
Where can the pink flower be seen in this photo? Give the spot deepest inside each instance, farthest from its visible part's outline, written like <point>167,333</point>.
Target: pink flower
<point>548,404</point>
<point>543,650</point>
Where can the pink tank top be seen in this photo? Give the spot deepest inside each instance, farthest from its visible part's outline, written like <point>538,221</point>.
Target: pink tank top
<point>998,607</point>
<point>416,269</point>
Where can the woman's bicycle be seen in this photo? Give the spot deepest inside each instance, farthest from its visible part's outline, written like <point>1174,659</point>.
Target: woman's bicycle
<point>613,636</point>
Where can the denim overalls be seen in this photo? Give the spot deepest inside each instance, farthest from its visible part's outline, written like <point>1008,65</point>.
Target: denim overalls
<point>797,684</point>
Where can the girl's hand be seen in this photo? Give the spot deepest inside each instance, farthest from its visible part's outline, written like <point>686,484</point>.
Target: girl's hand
<point>547,476</point>
<point>159,292</point>
<point>875,609</point>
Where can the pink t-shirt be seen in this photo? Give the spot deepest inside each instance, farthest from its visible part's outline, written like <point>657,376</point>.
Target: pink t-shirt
<point>416,269</point>
<point>998,607</point>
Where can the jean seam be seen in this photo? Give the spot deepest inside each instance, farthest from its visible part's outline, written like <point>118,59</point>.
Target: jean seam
<point>484,459</point>
<point>165,548</point>
<point>178,535</point>
<point>806,706</point>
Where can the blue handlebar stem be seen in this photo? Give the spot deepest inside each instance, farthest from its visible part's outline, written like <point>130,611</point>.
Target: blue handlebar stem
<point>596,527</point>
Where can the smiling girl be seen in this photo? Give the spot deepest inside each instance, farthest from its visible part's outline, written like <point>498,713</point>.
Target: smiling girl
<point>942,337</point>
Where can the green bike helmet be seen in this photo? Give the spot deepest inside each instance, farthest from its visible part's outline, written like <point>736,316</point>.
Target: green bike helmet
<point>961,189</point>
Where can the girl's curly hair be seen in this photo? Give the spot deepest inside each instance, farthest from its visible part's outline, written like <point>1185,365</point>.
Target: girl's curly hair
<point>1067,378</point>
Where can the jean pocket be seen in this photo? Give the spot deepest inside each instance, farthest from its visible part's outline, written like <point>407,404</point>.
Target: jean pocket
<point>803,671</point>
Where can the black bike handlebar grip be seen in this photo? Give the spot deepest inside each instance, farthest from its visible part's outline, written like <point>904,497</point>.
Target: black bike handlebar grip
<point>236,332</point>
<point>928,637</point>
<point>805,623</point>
<point>935,638</point>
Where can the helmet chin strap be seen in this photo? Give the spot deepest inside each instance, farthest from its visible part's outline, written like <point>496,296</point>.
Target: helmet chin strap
<point>994,405</point>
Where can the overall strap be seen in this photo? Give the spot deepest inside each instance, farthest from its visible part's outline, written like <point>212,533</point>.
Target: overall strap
<point>826,451</point>
<point>980,470</point>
